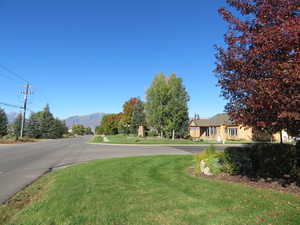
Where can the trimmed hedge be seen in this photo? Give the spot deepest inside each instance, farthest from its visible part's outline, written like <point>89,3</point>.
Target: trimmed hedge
<point>262,160</point>
<point>298,153</point>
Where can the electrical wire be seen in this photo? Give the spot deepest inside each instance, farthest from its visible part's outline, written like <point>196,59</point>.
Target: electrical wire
<point>11,105</point>
<point>9,77</point>
<point>13,73</point>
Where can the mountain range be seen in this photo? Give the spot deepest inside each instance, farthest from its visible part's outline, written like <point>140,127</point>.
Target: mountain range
<point>91,120</point>
<point>11,116</point>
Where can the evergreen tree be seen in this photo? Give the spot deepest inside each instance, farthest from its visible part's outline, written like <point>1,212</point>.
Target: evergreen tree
<point>44,125</point>
<point>16,126</point>
<point>88,131</point>
<point>48,124</point>
<point>59,129</point>
<point>3,123</point>
<point>138,116</point>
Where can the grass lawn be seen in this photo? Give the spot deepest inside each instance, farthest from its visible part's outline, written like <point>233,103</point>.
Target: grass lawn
<point>123,139</point>
<point>142,191</point>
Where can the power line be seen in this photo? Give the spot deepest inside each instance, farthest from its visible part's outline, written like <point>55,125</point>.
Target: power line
<point>11,105</point>
<point>13,73</point>
<point>9,77</point>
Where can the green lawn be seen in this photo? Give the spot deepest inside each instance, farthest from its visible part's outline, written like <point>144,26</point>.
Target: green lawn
<point>123,139</point>
<point>142,191</point>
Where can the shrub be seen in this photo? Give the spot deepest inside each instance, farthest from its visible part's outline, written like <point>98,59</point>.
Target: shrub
<point>298,154</point>
<point>237,160</point>
<point>261,160</point>
<point>152,133</point>
<point>98,139</point>
<point>212,160</point>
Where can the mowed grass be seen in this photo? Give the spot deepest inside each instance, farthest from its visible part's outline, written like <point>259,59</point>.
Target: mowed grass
<point>142,191</point>
<point>124,139</point>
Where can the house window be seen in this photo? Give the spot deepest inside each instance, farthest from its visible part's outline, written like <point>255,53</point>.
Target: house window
<point>207,131</point>
<point>213,131</point>
<point>210,131</point>
<point>195,128</point>
<point>232,131</point>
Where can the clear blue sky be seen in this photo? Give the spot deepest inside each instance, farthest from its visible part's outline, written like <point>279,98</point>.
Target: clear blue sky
<point>91,56</point>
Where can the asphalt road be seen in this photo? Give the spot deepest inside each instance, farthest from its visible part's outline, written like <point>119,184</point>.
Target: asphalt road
<point>20,165</point>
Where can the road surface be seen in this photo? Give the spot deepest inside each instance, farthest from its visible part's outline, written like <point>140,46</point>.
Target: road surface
<point>20,165</point>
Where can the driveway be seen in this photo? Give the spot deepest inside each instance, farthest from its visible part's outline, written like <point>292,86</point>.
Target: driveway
<point>20,165</point>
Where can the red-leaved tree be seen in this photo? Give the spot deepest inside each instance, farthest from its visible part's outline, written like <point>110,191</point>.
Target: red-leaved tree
<point>259,71</point>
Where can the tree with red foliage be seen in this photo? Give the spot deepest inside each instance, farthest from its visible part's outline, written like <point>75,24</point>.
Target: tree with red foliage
<point>128,108</point>
<point>259,71</point>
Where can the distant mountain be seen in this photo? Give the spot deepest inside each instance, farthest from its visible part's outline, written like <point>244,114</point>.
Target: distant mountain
<point>92,120</point>
<point>11,116</point>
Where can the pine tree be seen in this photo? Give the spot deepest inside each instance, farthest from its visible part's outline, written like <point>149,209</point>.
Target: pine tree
<point>16,126</point>
<point>3,123</point>
<point>48,124</point>
<point>44,125</point>
<point>59,129</point>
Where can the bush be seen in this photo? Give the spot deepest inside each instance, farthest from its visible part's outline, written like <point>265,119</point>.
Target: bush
<point>152,133</point>
<point>261,160</point>
<point>211,158</point>
<point>97,139</point>
<point>298,154</point>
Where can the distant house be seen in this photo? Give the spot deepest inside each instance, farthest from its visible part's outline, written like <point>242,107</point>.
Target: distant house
<point>221,128</point>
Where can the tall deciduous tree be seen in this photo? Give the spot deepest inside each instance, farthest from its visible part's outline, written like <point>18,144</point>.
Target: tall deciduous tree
<point>166,105</point>
<point>156,104</point>
<point>178,119</point>
<point>3,123</point>
<point>78,129</point>
<point>259,72</point>
<point>138,116</point>
<point>125,122</point>
<point>110,124</point>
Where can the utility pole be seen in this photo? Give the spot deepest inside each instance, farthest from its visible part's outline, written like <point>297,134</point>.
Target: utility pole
<point>26,92</point>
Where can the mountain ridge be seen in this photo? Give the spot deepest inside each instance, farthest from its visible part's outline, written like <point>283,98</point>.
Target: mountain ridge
<point>89,120</point>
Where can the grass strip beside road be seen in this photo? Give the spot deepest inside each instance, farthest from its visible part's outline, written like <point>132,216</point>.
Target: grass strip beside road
<point>124,139</point>
<point>145,190</point>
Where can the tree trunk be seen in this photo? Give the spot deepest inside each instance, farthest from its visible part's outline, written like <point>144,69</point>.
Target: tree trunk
<point>161,134</point>
<point>173,135</point>
<point>281,141</point>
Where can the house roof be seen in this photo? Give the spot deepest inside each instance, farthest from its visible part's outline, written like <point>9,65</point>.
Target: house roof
<point>217,120</point>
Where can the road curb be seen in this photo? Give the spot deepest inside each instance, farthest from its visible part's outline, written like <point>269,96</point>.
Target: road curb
<point>167,145</point>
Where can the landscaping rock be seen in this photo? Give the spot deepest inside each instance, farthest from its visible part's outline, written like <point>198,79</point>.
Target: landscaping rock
<point>205,170</point>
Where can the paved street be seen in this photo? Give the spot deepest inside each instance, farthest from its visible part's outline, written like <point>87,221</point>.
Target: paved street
<point>22,164</point>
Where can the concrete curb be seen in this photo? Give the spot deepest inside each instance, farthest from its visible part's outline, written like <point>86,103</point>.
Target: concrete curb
<point>167,145</point>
